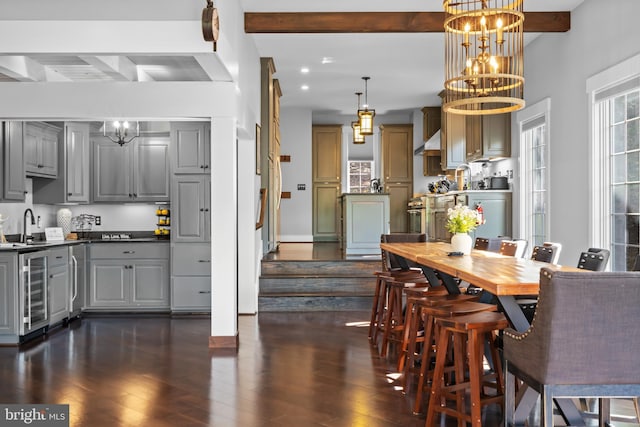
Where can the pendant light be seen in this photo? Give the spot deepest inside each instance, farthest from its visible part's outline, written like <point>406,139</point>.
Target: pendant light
<point>358,137</point>
<point>484,70</point>
<point>366,116</point>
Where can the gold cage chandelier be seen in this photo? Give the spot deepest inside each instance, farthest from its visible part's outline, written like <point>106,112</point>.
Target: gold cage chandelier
<point>358,137</point>
<point>484,64</point>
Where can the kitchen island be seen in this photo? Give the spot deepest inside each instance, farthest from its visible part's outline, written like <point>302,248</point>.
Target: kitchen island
<point>364,217</point>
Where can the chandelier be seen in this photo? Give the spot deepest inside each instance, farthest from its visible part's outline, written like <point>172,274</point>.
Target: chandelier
<point>121,132</point>
<point>484,65</point>
<point>358,137</point>
<point>366,116</point>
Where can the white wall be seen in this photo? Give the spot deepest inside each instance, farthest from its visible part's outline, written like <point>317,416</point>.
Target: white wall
<point>557,66</point>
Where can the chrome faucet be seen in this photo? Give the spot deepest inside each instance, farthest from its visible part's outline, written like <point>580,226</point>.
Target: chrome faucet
<point>24,225</point>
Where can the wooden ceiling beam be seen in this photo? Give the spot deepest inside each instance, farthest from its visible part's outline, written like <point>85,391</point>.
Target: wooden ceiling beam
<point>381,22</point>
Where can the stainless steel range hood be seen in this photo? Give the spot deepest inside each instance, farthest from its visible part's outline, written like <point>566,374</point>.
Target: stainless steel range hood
<point>432,143</point>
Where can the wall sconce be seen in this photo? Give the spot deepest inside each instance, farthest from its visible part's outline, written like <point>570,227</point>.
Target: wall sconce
<point>121,131</point>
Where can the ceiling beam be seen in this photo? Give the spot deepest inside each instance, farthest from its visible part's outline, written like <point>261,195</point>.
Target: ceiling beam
<point>381,22</point>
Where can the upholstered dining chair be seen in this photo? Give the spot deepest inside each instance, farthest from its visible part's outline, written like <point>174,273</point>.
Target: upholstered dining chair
<point>594,259</point>
<point>515,248</point>
<point>547,252</point>
<point>577,347</point>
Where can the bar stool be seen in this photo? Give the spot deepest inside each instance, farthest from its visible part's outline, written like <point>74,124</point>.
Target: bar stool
<point>470,332</point>
<point>430,311</point>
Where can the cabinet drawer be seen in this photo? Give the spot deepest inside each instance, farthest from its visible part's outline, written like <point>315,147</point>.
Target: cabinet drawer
<point>129,250</point>
<point>191,259</point>
<point>190,293</point>
<point>58,257</point>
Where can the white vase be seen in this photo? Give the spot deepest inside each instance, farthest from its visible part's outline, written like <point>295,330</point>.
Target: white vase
<point>63,218</point>
<point>461,242</point>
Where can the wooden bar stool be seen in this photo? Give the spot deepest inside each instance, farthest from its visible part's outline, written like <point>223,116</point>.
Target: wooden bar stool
<point>391,323</point>
<point>467,334</point>
<point>429,312</point>
<point>380,296</point>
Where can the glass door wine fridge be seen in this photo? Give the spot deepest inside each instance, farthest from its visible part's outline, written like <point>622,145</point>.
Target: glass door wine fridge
<point>33,294</point>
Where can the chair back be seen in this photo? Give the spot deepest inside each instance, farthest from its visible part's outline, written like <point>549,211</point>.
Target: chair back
<point>491,244</point>
<point>584,330</point>
<point>392,261</point>
<point>594,259</point>
<point>514,248</point>
<point>547,252</point>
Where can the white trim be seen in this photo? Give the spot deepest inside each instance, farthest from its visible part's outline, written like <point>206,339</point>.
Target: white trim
<point>599,183</point>
<point>539,109</point>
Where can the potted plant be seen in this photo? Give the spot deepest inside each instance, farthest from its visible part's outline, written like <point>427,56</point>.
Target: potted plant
<point>460,221</point>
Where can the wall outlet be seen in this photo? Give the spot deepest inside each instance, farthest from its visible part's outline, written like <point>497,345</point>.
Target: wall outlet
<point>302,187</point>
<point>98,220</point>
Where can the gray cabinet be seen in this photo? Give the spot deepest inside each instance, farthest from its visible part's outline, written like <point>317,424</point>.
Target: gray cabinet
<point>128,276</point>
<point>191,148</point>
<point>136,172</point>
<point>191,216</point>
<point>8,298</point>
<point>488,136</point>
<point>453,134</point>
<point>41,149</point>
<point>496,206</point>
<point>73,183</point>
<point>191,277</point>
<point>13,176</point>
<point>365,218</point>
<point>58,284</point>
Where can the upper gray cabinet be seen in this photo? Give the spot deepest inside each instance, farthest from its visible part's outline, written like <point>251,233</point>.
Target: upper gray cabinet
<point>136,172</point>
<point>488,136</point>
<point>191,147</point>
<point>12,150</point>
<point>41,149</point>
<point>74,154</point>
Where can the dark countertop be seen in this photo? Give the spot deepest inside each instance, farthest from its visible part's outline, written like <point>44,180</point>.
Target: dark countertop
<point>90,238</point>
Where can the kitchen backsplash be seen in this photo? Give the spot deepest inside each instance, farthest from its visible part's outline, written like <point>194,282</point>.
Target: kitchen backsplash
<point>123,217</point>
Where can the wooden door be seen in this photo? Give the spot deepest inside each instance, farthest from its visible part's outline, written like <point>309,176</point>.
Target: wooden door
<point>397,170</point>
<point>326,172</point>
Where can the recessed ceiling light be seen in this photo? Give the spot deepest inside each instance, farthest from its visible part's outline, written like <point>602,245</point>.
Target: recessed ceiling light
<point>304,87</point>
<point>327,60</point>
<point>304,70</point>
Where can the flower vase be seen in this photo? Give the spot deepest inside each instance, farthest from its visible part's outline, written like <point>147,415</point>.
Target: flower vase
<point>63,219</point>
<point>461,242</point>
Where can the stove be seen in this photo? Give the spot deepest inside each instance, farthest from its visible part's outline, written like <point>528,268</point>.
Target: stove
<point>416,210</point>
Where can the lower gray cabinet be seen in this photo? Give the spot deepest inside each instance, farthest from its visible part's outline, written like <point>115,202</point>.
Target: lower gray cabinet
<point>128,276</point>
<point>191,277</point>
<point>8,298</point>
<point>59,284</point>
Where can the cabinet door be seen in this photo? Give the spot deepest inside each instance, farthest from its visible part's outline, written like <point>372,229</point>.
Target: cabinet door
<point>58,293</point>
<point>14,174</point>
<point>455,141</point>
<point>325,216</point>
<point>32,135</point>
<point>190,146</point>
<point>191,293</point>
<point>151,170</point>
<point>49,153</point>
<point>109,284</point>
<point>327,142</point>
<point>150,283</point>
<point>77,162</point>
<point>189,216</point>
<point>8,299</point>
<point>474,137</point>
<point>496,135</point>
<point>399,195</point>
<point>397,153</point>
<point>111,172</point>
<point>41,149</point>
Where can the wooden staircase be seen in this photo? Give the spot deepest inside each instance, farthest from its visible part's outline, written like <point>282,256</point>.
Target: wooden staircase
<point>317,285</point>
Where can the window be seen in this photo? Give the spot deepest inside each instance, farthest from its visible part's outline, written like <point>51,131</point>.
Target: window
<point>360,176</point>
<point>615,162</point>
<point>534,170</point>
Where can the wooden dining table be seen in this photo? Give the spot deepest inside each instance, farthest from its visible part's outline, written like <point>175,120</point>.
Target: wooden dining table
<point>503,276</point>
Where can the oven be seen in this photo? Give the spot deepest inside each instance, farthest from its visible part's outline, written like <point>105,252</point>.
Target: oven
<point>416,210</point>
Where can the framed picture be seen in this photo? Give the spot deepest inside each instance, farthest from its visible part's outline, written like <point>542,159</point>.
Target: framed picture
<point>257,149</point>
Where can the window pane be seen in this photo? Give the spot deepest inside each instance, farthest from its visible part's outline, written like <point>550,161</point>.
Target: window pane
<point>619,229</point>
<point>632,166</point>
<point>619,109</point>
<point>619,141</point>
<point>619,169</point>
<point>619,199</point>
<point>633,198</point>
<point>632,105</point>
<point>619,258</point>
<point>633,135</point>
<point>633,232</point>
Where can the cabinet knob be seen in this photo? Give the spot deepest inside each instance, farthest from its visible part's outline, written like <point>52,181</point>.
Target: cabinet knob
<point>201,209</point>
<point>204,292</point>
<point>206,209</point>
<point>128,252</point>
<point>69,194</point>
<point>201,166</point>
<point>130,195</point>
<point>204,260</point>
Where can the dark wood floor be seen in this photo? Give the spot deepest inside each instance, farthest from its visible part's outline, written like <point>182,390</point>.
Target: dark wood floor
<point>291,369</point>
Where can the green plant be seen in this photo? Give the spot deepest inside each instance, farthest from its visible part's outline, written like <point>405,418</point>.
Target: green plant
<point>461,219</point>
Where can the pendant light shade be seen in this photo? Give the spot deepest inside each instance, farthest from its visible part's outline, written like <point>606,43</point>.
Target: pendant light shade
<point>484,67</point>
<point>365,116</point>
<point>358,137</point>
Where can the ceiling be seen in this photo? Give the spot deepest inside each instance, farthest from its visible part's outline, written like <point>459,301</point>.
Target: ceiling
<point>406,69</point>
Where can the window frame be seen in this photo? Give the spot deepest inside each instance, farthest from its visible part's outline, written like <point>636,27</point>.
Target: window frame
<point>371,170</point>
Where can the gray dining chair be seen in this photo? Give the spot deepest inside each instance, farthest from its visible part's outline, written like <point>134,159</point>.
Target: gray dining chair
<point>570,348</point>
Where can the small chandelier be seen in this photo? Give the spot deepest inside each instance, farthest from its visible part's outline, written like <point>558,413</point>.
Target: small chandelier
<point>484,65</point>
<point>358,137</point>
<point>121,131</point>
<point>366,116</point>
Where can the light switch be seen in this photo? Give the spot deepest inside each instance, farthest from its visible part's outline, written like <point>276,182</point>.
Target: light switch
<point>302,187</point>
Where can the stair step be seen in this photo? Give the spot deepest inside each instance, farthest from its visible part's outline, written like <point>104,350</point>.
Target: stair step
<point>315,303</point>
<point>316,285</point>
<point>320,268</point>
